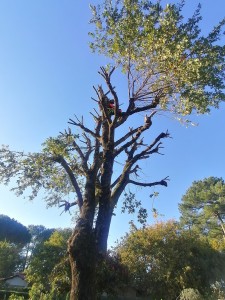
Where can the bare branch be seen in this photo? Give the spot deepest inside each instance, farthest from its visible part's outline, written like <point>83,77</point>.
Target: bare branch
<point>150,149</point>
<point>96,91</point>
<point>161,182</point>
<point>132,141</point>
<point>126,136</point>
<point>84,128</point>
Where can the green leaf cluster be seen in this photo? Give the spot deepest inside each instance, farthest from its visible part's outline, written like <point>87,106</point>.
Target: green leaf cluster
<point>10,259</point>
<point>162,52</point>
<point>163,260</point>
<point>202,208</point>
<point>49,266</point>
<point>35,172</point>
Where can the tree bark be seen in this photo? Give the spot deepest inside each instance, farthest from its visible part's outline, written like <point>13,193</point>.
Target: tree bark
<point>82,255</point>
<point>102,228</point>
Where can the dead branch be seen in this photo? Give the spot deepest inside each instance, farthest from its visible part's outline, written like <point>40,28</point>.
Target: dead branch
<point>81,125</point>
<point>133,142</point>
<point>150,149</point>
<point>161,182</point>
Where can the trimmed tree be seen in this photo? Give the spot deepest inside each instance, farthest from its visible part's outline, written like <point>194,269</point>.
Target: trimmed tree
<point>170,67</point>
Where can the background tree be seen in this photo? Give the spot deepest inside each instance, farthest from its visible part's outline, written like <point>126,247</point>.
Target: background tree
<point>169,66</point>
<point>162,261</point>
<point>10,259</point>
<point>202,208</point>
<point>13,231</point>
<point>13,238</point>
<point>112,276</point>
<point>39,234</point>
<point>48,269</point>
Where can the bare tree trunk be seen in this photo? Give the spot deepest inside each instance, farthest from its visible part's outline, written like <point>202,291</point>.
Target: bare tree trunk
<point>102,228</point>
<point>82,255</point>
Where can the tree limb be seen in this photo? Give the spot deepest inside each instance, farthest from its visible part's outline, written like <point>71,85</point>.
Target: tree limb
<point>161,182</point>
<point>149,150</point>
<point>84,128</point>
<point>73,180</point>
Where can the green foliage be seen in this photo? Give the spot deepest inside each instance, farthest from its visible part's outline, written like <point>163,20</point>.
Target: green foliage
<point>16,297</point>
<point>131,205</point>
<point>20,294</point>
<point>49,270</point>
<point>10,259</point>
<point>111,270</point>
<point>13,231</point>
<point>35,171</point>
<point>167,56</point>
<point>203,207</point>
<point>190,294</point>
<point>39,234</point>
<point>163,260</point>
<point>37,292</point>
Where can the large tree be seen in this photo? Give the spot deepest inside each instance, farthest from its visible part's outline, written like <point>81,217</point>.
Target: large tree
<point>169,66</point>
<point>203,207</point>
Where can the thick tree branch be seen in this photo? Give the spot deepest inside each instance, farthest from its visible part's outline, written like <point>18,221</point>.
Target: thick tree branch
<point>161,182</point>
<point>104,105</point>
<point>134,139</point>
<point>127,135</point>
<point>139,130</point>
<point>73,180</point>
<point>107,78</point>
<point>150,149</point>
<point>121,182</point>
<point>152,105</point>
<point>97,156</point>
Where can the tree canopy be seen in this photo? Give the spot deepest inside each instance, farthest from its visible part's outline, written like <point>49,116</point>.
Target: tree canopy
<point>163,260</point>
<point>203,207</point>
<point>48,270</point>
<point>164,55</point>
<point>13,231</point>
<point>10,259</point>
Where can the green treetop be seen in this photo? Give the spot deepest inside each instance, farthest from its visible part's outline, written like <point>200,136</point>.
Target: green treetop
<point>165,56</point>
<point>203,207</point>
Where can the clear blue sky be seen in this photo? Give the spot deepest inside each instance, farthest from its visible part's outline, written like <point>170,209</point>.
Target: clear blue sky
<point>46,75</point>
